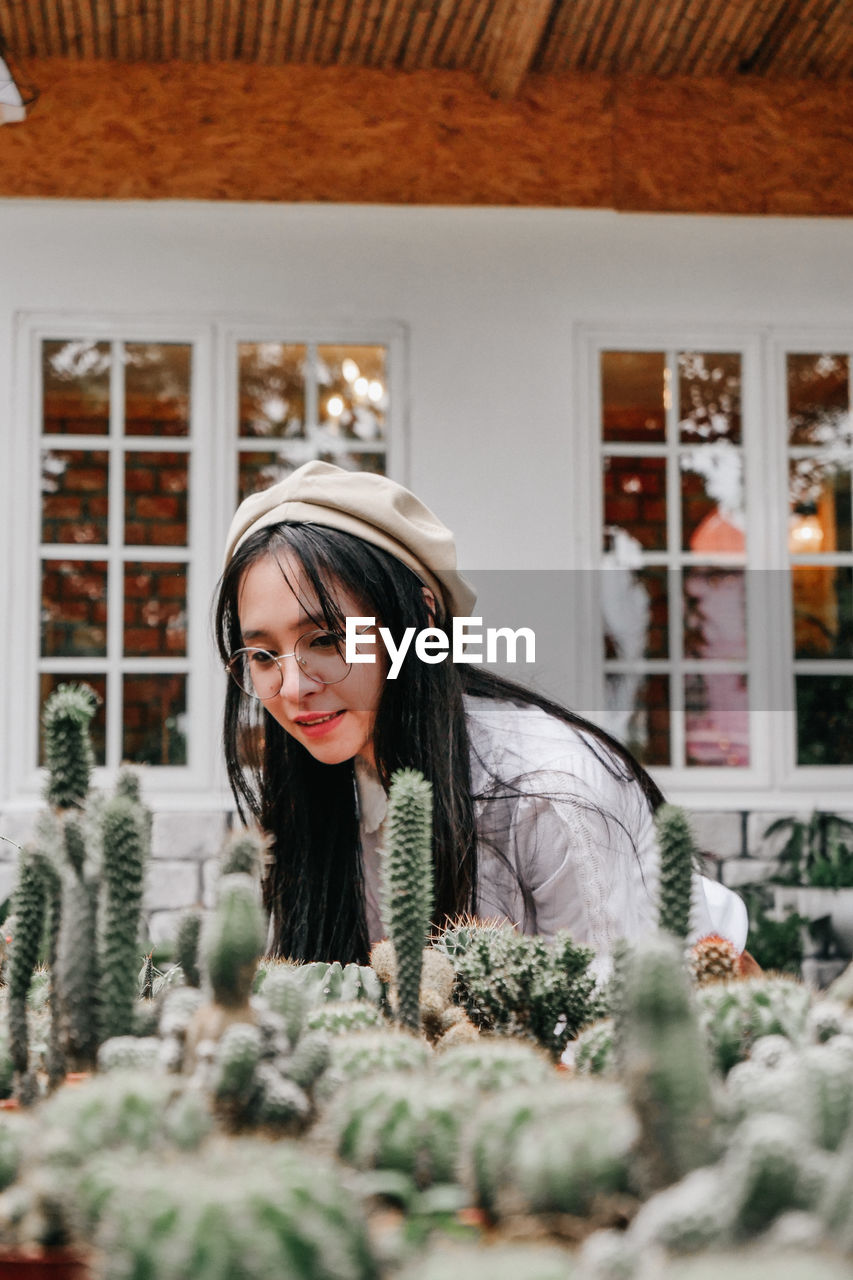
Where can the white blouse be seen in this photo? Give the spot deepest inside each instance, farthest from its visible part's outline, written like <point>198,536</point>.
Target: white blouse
<point>580,839</point>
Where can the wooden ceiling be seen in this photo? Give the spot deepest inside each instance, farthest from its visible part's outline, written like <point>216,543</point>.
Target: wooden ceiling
<point>502,41</point>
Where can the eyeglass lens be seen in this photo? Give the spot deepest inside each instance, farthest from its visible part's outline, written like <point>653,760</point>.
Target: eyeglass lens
<point>320,654</point>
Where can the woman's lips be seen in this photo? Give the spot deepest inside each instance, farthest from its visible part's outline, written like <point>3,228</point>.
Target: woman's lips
<point>317,726</point>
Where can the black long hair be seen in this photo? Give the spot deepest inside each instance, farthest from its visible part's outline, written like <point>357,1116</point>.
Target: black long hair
<point>314,886</point>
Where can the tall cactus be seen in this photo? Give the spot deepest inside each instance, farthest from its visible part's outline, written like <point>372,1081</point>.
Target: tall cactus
<point>187,945</point>
<point>125,855</point>
<point>243,854</point>
<point>77,968</point>
<point>677,857</point>
<point>407,884</point>
<point>29,909</point>
<point>665,1064</point>
<point>68,747</point>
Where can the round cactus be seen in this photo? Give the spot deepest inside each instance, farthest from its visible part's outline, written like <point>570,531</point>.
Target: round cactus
<point>594,1052</point>
<point>714,959</point>
<point>123,1052</point>
<point>765,1173</point>
<point>492,1065</point>
<point>237,1056</point>
<point>280,1104</point>
<point>354,1015</point>
<point>309,1059</point>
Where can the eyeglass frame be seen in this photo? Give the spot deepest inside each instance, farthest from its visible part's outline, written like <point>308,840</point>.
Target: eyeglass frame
<point>277,658</point>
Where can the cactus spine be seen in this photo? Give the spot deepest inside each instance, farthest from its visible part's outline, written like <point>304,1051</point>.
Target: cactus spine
<point>677,855</point>
<point>125,836</point>
<point>407,884</point>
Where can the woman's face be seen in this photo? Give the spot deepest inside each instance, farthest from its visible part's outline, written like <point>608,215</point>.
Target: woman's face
<point>335,722</point>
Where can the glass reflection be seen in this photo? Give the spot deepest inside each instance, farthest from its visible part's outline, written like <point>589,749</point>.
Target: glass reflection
<point>353,392</point>
<point>637,713</point>
<point>823,611</point>
<point>73,608</point>
<point>709,396</point>
<point>157,388</point>
<point>713,516</point>
<point>635,500</point>
<point>716,720</point>
<point>76,387</point>
<point>154,718</point>
<point>155,610</point>
<point>819,400</point>
<point>824,720</point>
<point>74,501</point>
<point>819,489</point>
<point>634,604</point>
<point>272,389</point>
<point>714,602</point>
<point>156,494</point>
<point>634,391</point>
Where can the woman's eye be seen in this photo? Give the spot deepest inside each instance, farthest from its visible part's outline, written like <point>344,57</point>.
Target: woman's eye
<point>325,640</point>
<point>260,659</point>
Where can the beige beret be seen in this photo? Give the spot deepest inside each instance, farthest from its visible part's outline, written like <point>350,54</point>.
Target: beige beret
<point>372,507</point>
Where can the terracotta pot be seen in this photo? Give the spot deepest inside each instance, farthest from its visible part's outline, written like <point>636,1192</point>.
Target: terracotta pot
<point>77,1077</point>
<point>34,1263</point>
<point>9,1104</point>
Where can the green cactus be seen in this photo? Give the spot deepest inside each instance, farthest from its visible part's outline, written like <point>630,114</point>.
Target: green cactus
<point>77,970</point>
<point>594,1050</point>
<point>280,1103</point>
<point>123,1053</point>
<point>527,986</point>
<point>55,1060</point>
<point>67,744</point>
<point>11,1153</point>
<point>125,856</point>
<point>176,1013</point>
<point>243,854</point>
<point>678,857</point>
<point>494,1064</point>
<point>692,1215</point>
<point>368,1053</point>
<point>352,1015</point>
<point>309,1059</point>
<point>238,1054</point>
<point>407,885</point>
<point>287,996</point>
<point>666,1067</point>
<point>490,1137</point>
<point>408,1123</point>
<point>287,1213</point>
<point>232,939</point>
<point>734,1015</point>
<point>187,947</point>
<point>29,908</point>
<point>766,1172</point>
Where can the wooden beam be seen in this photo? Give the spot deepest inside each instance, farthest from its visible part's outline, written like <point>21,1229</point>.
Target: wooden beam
<point>512,39</point>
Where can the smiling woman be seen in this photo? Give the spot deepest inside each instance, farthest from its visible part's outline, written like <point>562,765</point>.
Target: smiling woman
<point>539,817</point>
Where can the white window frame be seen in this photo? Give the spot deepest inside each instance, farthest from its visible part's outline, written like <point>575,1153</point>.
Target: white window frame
<point>212,440</point>
<point>772,781</point>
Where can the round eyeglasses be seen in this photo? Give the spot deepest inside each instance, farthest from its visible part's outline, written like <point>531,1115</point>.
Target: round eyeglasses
<point>260,674</point>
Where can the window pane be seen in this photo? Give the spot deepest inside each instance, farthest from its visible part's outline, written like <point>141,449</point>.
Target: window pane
<point>818,399</point>
<point>638,714</point>
<point>272,389</point>
<point>712,511</point>
<point>74,504</point>
<point>155,610</point>
<point>823,611</point>
<point>261,470</point>
<point>708,396</point>
<point>73,608</point>
<point>635,605</point>
<point>157,389</point>
<point>714,612</point>
<point>819,504</point>
<point>633,395</point>
<point>76,387</point>
<point>824,719</point>
<point>716,716</point>
<point>635,500</point>
<point>50,681</point>
<point>353,387</point>
<point>156,487</point>
<point>155,719</point>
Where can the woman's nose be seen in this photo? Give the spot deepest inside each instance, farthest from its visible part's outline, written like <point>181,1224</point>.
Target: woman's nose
<point>294,681</point>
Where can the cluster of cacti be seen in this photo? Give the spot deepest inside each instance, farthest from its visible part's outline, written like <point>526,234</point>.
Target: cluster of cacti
<point>521,985</point>
<point>678,858</point>
<point>594,1052</point>
<point>734,1015</point>
<point>407,885</point>
<point>359,1054</point>
<point>326,982</point>
<point>492,1064</point>
<point>441,1019</point>
<point>80,892</point>
<point>664,1063</point>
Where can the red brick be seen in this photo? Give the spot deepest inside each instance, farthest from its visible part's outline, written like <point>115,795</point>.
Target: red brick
<point>158,508</point>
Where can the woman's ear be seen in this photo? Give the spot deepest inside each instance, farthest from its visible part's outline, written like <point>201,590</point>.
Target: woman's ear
<point>430,603</point>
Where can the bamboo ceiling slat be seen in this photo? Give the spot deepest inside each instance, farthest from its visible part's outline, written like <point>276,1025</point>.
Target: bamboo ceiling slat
<point>13,27</point>
<point>500,20</point>
<point>225,19</point>
<point>136,34</point>
<point>166,36</point>
<point>417,35</point>
<point>53,35</point>
<point>564,35</point>
<point>510,56</point>
<point>283,32</point>
<point>396,34</point>
<point>324,29</point>
<point>728,22</point>
<point>833,42</point>
<point>448,53</point>
<point>433,49</point>
<point>834,48</point>
<point>266,31</point>
<point>702,15</point>
<point>376,52</point>
<point>472,32</point>
<point>685,30</point>
<point>248,38</point>
<point>799,40</point>
<point>301,30</point>
<point>758,18</point>
<point>585,36</point>
<point>614,38</point>
<point>359,33</point>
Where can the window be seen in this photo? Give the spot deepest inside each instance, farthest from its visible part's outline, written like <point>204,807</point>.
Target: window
<point>725,597</point>
<point>135,459</point>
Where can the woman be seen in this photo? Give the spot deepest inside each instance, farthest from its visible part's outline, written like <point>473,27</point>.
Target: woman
<point>539,817</point>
